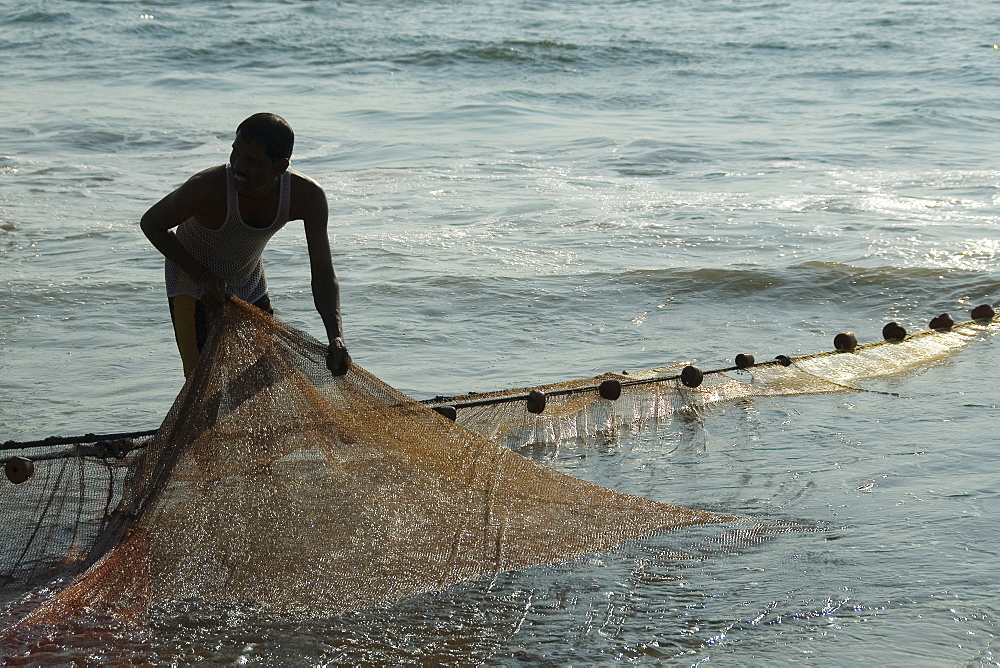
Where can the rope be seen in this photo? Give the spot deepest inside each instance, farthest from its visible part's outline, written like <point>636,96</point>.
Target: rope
<point>464,401</point>
<point>53,441</point>
<point>457,402</point>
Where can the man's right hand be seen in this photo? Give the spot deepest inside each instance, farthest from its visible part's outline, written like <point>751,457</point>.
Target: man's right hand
<point>213,289</point>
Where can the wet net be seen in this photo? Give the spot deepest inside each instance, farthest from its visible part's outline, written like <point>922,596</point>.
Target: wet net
<point>273,486</point>
<point>606,404</point>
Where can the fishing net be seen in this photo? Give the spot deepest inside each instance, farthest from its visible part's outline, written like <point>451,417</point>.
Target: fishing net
<point>580,409</point>
<point>274,486</point>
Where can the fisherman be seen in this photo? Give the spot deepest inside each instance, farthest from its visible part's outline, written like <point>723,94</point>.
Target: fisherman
<point>224,216</point>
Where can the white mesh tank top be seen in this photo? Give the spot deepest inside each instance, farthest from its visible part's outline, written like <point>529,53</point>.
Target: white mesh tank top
<point>233,251</point>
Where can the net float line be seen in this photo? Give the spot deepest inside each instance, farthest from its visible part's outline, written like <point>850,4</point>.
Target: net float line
<point>113,443</point>
<point>614,403</point>
<point>18,468</point>
<point>608,387</point>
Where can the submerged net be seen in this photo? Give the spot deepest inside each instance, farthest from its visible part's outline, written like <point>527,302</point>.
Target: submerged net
<point>274,486</point>
<point>271,485</point>
<point>578,409</point>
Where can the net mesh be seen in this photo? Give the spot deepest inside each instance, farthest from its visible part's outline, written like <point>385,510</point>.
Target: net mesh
<point>274,486</point>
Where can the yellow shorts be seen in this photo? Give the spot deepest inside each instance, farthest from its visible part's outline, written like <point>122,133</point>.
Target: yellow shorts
<point>190,318</point>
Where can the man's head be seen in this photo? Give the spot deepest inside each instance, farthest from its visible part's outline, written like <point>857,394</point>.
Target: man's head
<point>261,151</point>
<point>272,131</point>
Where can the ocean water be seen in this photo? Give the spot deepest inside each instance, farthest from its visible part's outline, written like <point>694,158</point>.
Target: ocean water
<point>531,191</point>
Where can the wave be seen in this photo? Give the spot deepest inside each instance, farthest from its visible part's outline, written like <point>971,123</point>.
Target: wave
<point>37,16</point>
<point>807,280</point>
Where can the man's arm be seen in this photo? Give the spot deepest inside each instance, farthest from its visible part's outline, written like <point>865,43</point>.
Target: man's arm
<point>160,220</point>
<point>325,288</point>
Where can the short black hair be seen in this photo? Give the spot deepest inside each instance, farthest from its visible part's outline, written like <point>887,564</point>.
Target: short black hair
<point>271,129</point>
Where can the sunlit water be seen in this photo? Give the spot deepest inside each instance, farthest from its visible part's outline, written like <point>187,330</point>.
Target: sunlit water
<point>526,192</point>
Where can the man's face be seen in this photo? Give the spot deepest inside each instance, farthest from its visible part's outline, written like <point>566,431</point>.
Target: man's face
<point>253,169</point>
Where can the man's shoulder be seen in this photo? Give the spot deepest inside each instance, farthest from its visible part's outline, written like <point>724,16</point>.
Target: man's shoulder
<point>209,180</point>
<point>304,184</point>
<point>308,201</point>
<point>305,190</point>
